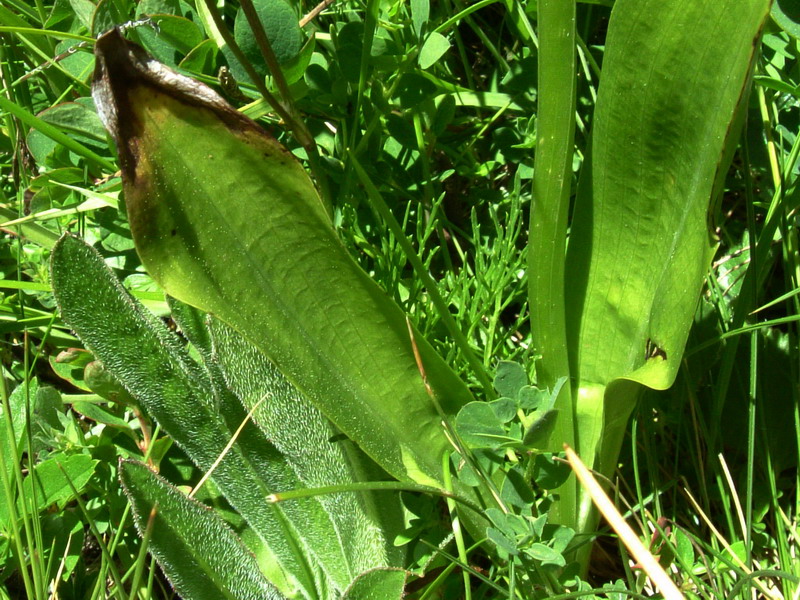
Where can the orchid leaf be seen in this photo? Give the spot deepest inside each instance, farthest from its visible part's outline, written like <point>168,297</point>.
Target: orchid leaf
<point>642,239</point>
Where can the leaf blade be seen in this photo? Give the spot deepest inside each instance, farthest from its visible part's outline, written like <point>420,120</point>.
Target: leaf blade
<point>199,553</point>
<point>272,268</point>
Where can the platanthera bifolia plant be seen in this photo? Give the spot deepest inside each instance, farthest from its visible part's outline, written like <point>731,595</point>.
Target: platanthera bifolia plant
<point>306,376</point>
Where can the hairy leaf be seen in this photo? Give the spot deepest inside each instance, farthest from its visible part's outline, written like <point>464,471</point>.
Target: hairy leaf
<point>157,371</point>
<point>199,553</point>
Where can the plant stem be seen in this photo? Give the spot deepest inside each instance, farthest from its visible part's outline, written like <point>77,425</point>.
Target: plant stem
<point>549,211</point>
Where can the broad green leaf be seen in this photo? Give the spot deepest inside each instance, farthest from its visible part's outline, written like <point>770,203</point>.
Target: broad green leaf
<point>201,58</point>
<point>479,426</point>
<point>787,14</point>
<point>54,133</point>
<point>175,34</point>
<point>198,552</point>
<point>378,584</point>
<point>77,118</point>
<point>158,7</point>
<point>107,14</point>
<point>232,224</point>
<point>546,555</point>
<point>641,242</point>
<point>305,438</point>
<point>295,69</point>
<point>50,479</point>
<point>509,379</point>
<point>150,362</point>
<point>420,12</point>
<point>538,434</point>
<point>84,10</point>
<point>49,482</point>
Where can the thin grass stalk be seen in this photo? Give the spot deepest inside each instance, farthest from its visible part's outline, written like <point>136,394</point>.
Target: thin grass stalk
<point>292,118</point>
<point>267,53</point>
<point>251,72</point>
<point>8,489</point>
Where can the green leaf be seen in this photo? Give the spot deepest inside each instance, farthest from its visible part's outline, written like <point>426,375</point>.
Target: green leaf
<point>435,46</point>
<point>641,244</point>
<point>151,364</point>
<point>538,434</point>
<point>175,34</point>
<point>550,207</point>
<point>198,552</point>
<point>787,14</point>
<point>505,409</point>
<point>545,554</point>
<point>378,584</point>
<point>684,549</point>
<point>294,69</point>
<point>84,10</point>
<point>283,31</point>
<point>12,442</point>
<point>548,472</point>
<point>479,426</point>
<point>232,224</point>
<point>516,489</point>
<point>107,14</point>
<point>104,384</point>
<point>158,7</point>
<point>55,134</point>
<point>201,58</point>
<point>51,478</point>
<point>304,437</point>
<point>509,379</point>
<point>420,12</point>
<point>532,398</point>
<point>502,541</point>
<point>99,414</point>
<point>35,233</point>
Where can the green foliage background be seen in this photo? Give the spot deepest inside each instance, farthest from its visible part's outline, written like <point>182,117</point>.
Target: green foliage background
<point>442,118</point>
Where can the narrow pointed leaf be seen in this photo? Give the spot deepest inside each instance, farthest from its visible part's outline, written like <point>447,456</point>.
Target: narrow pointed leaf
<point>198,552</point>
<point>552,184</point>
<point>226,219</point>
